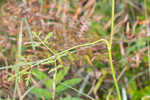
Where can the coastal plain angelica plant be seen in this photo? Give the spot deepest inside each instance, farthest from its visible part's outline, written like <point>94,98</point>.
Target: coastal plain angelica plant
<point>58,55</point>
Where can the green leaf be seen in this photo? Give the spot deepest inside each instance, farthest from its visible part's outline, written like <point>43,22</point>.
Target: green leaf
<point>70,82</point>
<point>42,76</point>
<point>48,36</point>
<point>40,92</point>
<point>27,81</point>
<point>71,98</point>
<point>60,75</point>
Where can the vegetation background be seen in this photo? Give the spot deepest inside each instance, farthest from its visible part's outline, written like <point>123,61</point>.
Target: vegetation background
<point>74,50</point>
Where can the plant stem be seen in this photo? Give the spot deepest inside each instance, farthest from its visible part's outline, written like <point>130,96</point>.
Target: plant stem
<point>109,50</point>
<point>113,74</point>
<point>112,22</point>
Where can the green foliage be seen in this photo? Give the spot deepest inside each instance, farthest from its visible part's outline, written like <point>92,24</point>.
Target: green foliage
<point>137,94</point>
<point>48,36</point>
<point>103,7</point>
<point>42,76</point>
<point>47,81</point>
<point>96,27</point>
<point>60,75</point>
<point>116,49</point>
<point>62,87</point>
<point>53,87</point>
<point>134,46</point>
<point>40,92</point>
<point>148,6</point>
<point>71,98</point>
<point>99,64</point>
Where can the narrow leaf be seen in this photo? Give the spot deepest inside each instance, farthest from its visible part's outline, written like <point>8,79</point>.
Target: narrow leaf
<point>40,92</point>
<point>60,75</point>
<point>70,82</point>
<point>42,76</point>
<point>71,98</point>
<point>48,36</point>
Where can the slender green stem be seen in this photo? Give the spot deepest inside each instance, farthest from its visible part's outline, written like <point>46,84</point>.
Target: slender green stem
<point>112,22</point>
<point>55,57</point>
<point>113,74</point>
<point>109,51</point>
